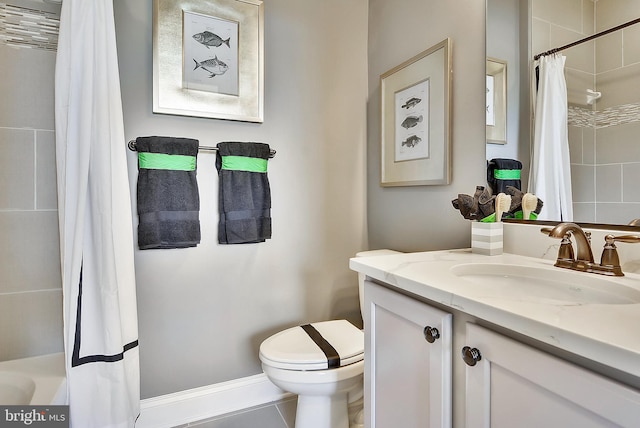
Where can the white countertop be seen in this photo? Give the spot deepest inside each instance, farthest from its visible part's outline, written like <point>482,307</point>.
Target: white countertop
<point>605,333</point>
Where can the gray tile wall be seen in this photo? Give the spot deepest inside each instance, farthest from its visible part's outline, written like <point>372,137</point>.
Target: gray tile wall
<point>30,285</point>
<point>605,154</point>
<point>618,126</point>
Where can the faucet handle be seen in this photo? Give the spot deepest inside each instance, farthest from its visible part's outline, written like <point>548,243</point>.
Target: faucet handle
<point>610,253</point>
<point>565,252</point>
<point>566,249</point>
<point>629,239</point>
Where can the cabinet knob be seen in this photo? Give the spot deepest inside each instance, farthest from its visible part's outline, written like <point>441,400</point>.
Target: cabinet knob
<point>431,334</point>
<point>471,355</point>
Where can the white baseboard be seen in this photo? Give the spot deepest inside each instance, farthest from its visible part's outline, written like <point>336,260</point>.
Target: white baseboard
<point>209,401</point>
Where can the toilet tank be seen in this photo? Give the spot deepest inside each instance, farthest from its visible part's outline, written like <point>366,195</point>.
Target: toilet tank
<point>361,276</point>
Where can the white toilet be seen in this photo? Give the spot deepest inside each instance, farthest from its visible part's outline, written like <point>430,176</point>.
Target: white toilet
<point>323,363</point>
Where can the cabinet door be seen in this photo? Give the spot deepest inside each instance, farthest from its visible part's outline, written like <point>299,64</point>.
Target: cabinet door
<point>407,378</point>
<point>514,385</point>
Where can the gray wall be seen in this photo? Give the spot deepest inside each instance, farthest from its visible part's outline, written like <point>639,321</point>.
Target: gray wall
<point>30,284</point>
<point>617,154</point>
<point>422,217</point>
<point>204,311</point>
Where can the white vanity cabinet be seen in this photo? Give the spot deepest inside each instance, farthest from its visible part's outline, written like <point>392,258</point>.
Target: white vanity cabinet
<point>542,361</point>
<point>407,361</point>
<point>486,380</point>
<point>515,385</point>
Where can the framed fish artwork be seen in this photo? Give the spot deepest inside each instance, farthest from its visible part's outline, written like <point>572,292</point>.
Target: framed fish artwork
<point>209,54</point>
<point>412,122</point>
<point>416,120</point>
<point>208,59</point>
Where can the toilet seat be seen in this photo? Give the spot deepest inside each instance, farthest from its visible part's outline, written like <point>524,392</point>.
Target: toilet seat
<point>295,349</point>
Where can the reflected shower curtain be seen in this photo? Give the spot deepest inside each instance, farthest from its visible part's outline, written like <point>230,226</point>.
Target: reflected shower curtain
<point>550,174</point>
<point>96,238</point>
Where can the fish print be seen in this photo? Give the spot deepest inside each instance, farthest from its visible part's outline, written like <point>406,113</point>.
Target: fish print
<point>411,102</point>
<point>411,121</point>
<point>412,141</point>
<point>207,38</point>
<point>213,66</point>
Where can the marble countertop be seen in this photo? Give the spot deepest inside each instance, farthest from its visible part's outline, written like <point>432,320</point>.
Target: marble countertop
<point>605,333</point>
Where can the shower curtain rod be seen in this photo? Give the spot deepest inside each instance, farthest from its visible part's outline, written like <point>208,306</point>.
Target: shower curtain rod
<point>133,148</point>
<point>586,39</point>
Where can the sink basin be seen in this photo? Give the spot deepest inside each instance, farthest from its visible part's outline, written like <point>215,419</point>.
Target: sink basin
<point>552,285</point>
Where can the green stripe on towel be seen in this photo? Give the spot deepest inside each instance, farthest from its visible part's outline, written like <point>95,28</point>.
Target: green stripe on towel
<point>507,174</point>
<point>243,163</point>
<point>164,161</point>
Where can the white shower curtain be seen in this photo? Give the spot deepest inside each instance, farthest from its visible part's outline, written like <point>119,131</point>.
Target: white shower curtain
<point>550,173</point>
<point>96,239</point>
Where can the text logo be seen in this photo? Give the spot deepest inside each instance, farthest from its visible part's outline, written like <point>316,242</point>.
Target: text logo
<point>34,416</point>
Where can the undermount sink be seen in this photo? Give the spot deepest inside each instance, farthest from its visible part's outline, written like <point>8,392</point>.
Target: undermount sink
<point>546,285</point>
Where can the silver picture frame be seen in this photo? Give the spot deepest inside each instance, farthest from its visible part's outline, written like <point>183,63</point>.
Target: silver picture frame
<point>208,59</point>
<point>416,120</point>
<point>496,101</point>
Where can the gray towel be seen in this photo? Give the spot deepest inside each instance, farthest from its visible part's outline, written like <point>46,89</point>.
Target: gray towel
<point>244,197</point>
<point>168,199</point>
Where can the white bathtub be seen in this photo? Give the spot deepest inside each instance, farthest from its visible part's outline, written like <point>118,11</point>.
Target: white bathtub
<point>37,380</point>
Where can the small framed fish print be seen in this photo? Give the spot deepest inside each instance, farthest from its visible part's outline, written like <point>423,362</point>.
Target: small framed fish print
<point>210,54</point>
<point>415,120</point>
<point>412,122</point>
<point>208,58</point>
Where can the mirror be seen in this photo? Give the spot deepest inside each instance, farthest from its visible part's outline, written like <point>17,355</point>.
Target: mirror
<point>507,43</point>
<point>602,90</point>
<point>496,101</point>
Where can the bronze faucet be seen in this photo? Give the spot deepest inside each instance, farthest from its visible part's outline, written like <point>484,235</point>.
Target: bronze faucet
<point>582,242</point>
<point>583,262</point>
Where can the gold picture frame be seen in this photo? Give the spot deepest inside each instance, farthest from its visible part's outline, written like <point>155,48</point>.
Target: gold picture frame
<point>208,59</point>
<point>416,120</point>
<point>496,107</point>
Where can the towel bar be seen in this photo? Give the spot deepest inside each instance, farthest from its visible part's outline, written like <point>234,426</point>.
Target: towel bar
<point>132,147</point>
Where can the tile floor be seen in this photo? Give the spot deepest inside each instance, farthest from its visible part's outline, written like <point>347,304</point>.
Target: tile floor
<point>277,415</point>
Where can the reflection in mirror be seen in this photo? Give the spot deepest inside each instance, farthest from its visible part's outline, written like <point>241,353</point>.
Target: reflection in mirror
<point>603,96</point>
<point>550,177</point>
<point>496,101</point>
<point>507,39</point>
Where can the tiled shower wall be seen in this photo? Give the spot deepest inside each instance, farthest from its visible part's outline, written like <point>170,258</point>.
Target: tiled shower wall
<point>617,154</point>
<point>605,156</point>
<point>30,285</point>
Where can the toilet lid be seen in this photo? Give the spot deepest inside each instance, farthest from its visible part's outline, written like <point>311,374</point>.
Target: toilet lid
<point>315,346</point>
